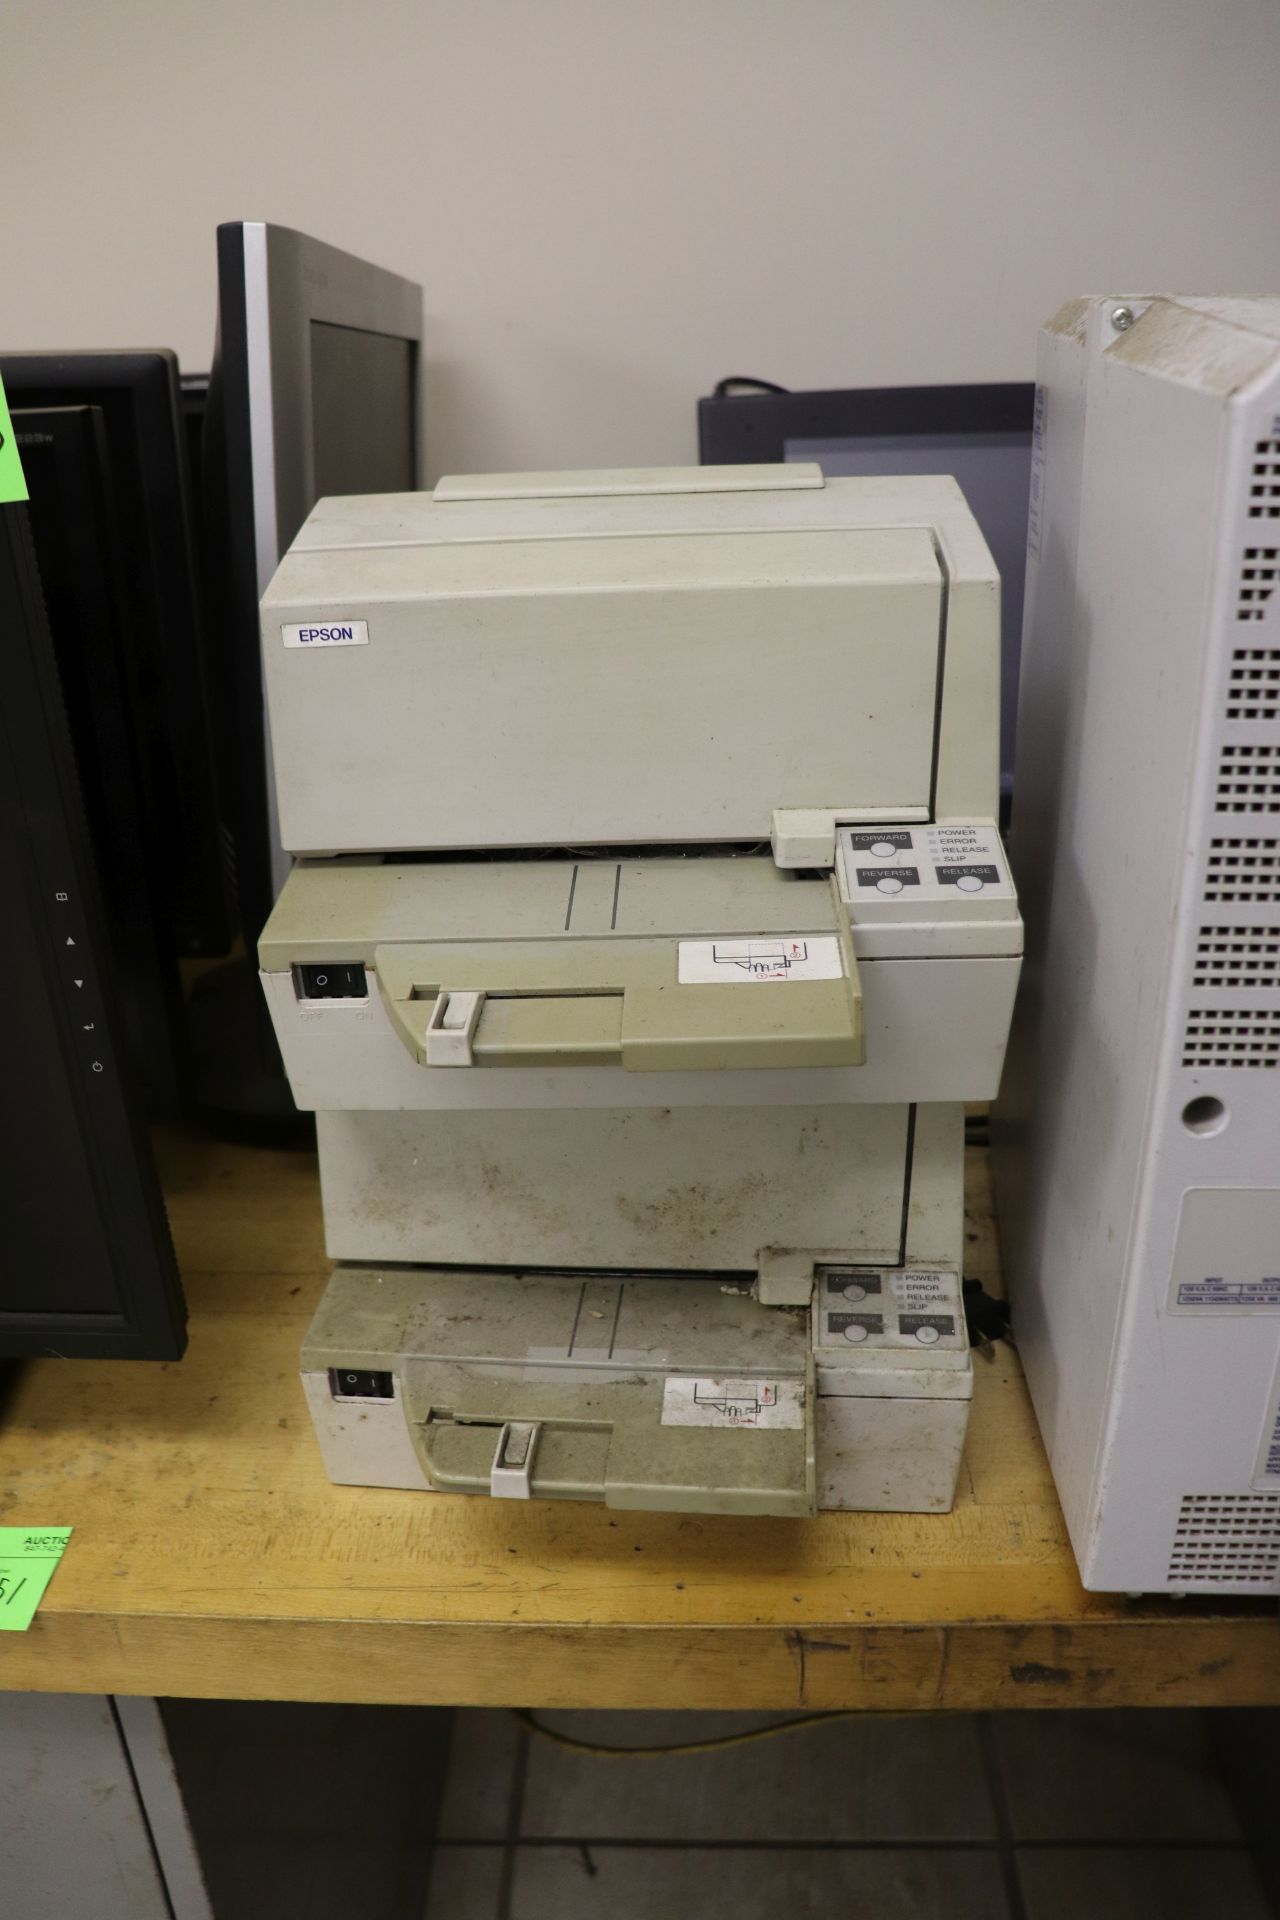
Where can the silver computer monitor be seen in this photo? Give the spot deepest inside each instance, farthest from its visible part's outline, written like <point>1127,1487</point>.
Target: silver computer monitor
<point>979,434</point>
<point>315,391</point>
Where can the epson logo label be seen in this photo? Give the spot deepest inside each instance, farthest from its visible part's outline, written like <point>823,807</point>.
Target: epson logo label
<point>335,633</point>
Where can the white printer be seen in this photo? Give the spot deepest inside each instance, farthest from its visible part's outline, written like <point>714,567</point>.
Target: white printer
<point>648,928</point>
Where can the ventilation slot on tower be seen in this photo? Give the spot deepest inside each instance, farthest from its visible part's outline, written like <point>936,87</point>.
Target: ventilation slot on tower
<point>1232,1037</point>
<point>1264,481</point>
<point>1249,779</point>
<point>1243,870</point>
<point>1259,574</point>
<point>1254,689</point>
<point>1227,1538</point>
<point>1237,957</point>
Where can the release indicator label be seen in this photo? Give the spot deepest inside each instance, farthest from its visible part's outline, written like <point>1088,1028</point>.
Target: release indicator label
<point>731,1402</point>
<point>781,956</point>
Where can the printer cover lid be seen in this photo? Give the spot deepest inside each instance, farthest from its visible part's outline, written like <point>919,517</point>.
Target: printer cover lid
<point>633,668</point>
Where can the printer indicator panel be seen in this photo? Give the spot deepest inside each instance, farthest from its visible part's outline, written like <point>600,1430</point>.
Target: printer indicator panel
<point>933,864</point>
<point>909,1307</point>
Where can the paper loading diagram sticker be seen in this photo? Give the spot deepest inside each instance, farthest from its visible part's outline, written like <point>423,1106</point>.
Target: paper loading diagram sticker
<point>727,1402</point>
<point>779,956</point>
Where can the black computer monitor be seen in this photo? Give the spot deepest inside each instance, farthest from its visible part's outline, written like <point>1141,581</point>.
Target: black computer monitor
<point>82,557</point>
<point>88,1264</point>
<point>137,398</point>
<point>193,398</point>
<point>979,434</point>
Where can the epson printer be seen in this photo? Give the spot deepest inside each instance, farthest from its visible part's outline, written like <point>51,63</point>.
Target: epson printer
<point>649,927</point>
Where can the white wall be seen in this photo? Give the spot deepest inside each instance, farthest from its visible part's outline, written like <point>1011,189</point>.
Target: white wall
<point>611,203</point>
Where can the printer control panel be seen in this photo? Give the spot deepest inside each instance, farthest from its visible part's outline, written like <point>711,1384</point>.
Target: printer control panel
<point>913,1309</point>
<point>919,864</point>
<point>928,890</point>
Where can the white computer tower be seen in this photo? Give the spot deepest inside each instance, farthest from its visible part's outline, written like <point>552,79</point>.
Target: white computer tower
<point>1138,1126</point>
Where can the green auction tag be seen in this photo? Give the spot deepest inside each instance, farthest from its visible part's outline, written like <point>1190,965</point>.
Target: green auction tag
<point>12,484</point>
<point>28,1556</point>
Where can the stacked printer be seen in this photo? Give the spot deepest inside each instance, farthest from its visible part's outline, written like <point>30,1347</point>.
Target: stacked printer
<point>649,926</point>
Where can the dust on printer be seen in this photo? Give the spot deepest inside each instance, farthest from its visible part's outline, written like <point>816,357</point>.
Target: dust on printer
<point>649,927</point>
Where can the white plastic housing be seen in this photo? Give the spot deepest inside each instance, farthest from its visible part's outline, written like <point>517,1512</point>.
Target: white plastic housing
<point>1138,1129</point>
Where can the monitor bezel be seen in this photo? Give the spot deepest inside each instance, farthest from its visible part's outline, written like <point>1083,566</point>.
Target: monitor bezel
<point>139,392</point>
<point>286,281</point>
<point>107,1123</point>
<point>111,740</point>
<point>751,427</point>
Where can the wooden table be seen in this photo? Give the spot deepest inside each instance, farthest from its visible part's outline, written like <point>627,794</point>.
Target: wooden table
<point>212,1558</point>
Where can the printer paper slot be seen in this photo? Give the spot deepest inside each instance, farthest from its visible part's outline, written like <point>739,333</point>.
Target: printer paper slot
<point>611,1439</point>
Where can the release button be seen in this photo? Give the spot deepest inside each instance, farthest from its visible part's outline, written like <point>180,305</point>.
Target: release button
<point>970,879</point>
<point>927,1328</point>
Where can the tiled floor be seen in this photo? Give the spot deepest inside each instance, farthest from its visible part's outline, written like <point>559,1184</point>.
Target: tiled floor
<point>1035,1816</point>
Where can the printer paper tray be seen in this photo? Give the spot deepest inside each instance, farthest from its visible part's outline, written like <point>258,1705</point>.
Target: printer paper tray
<point>609,1002</point>
<point>652,964</point>
<point>665,1394</point>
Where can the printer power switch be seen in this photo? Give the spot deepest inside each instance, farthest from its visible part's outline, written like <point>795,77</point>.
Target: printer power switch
<point>332,980</point>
